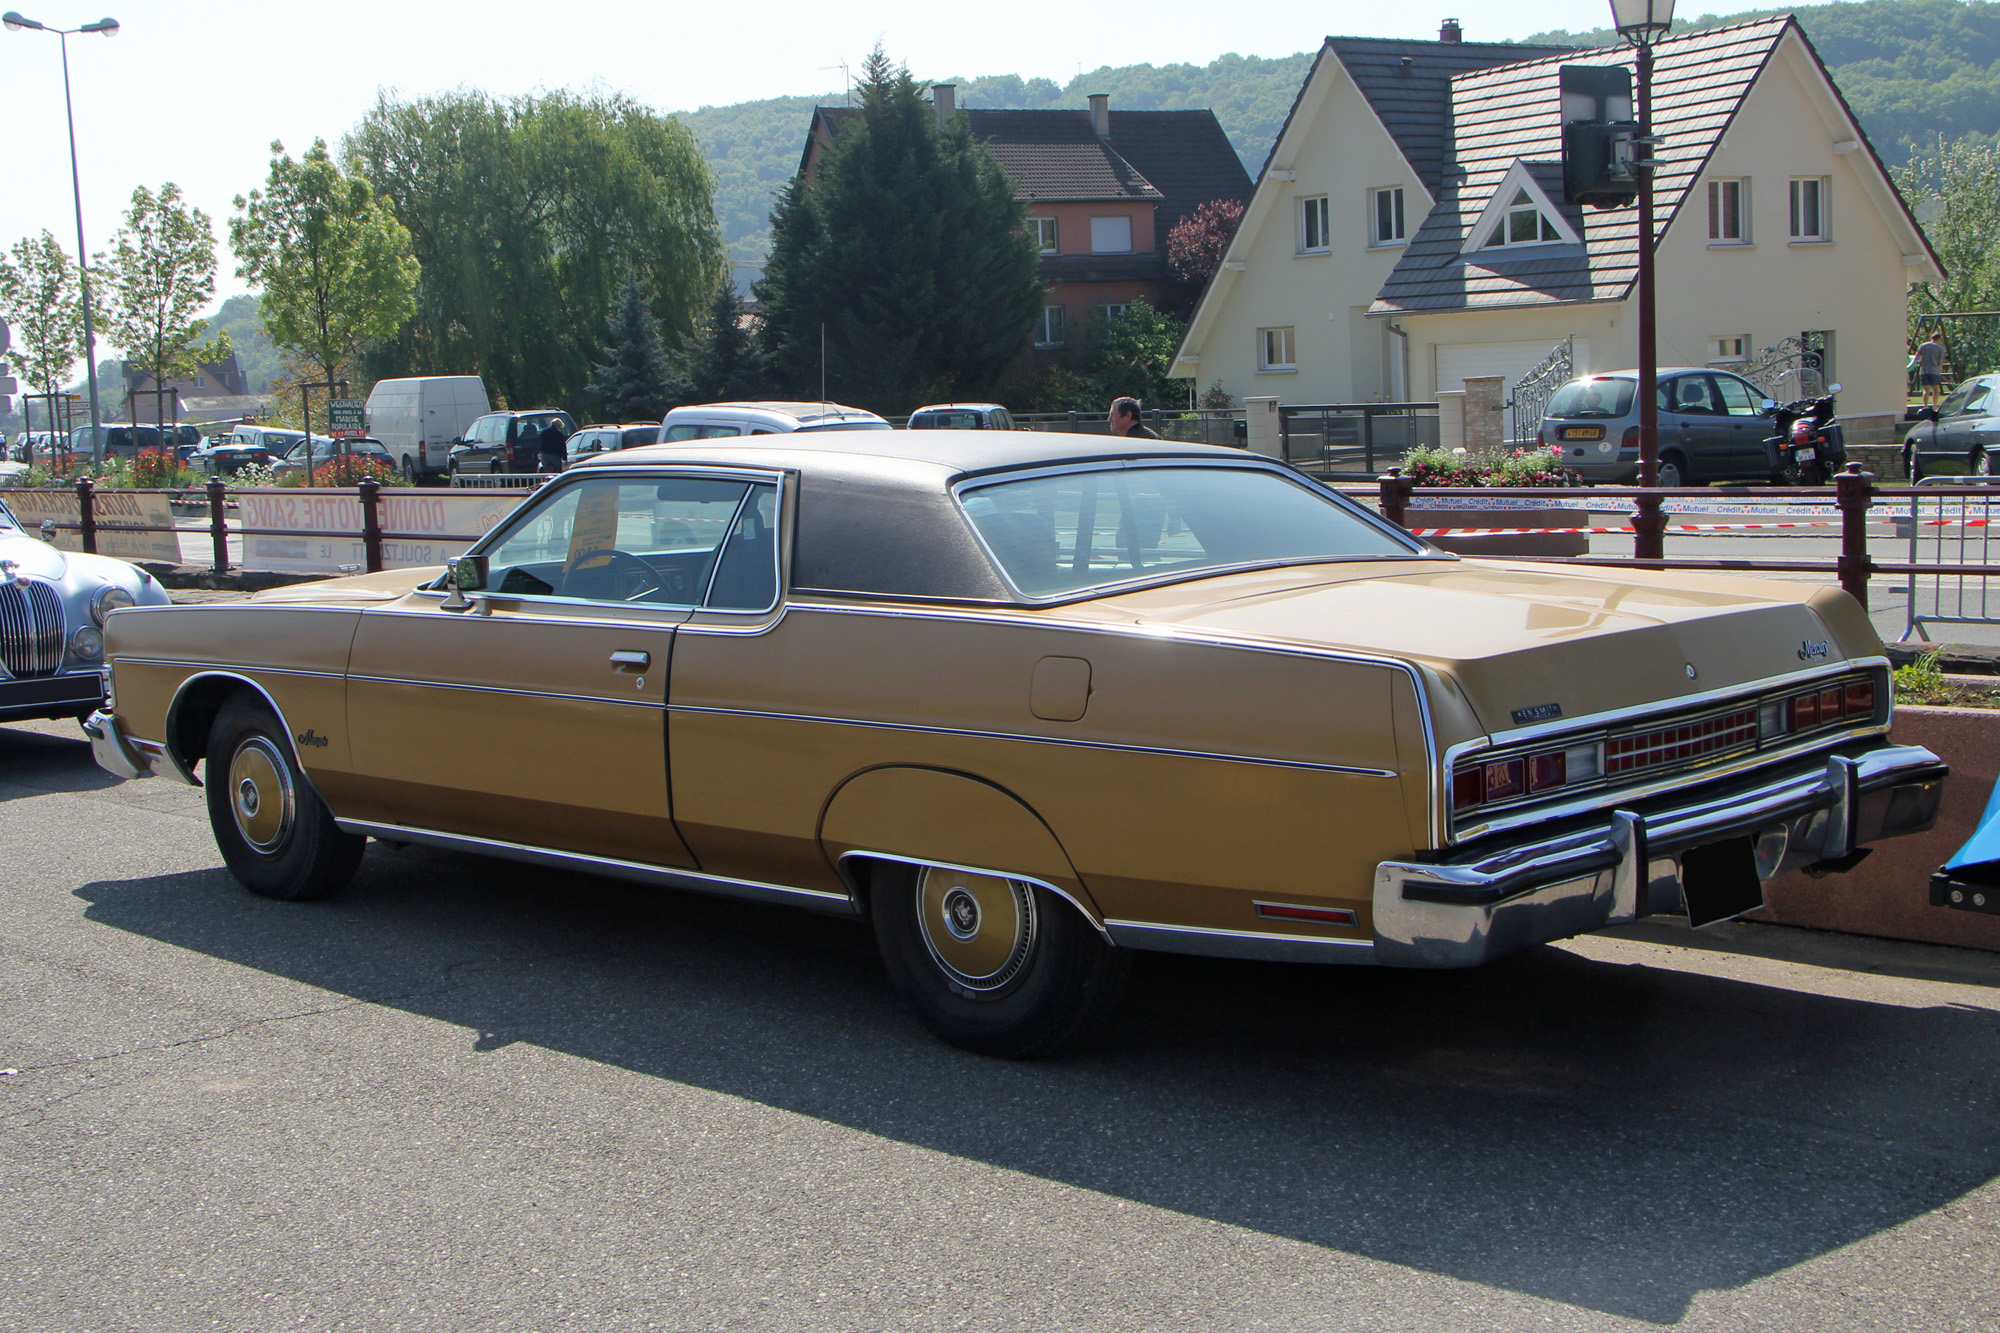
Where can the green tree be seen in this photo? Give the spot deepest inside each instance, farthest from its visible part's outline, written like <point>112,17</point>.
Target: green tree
<point>39,298</point>
<point>160,273</point>
<point>913,268</point>
<point>1125,356</point>
<point>632,382</point>
<point>334,264</point>
<point>1955,188</point>
<point>530,215</point>
<point>723,360</point>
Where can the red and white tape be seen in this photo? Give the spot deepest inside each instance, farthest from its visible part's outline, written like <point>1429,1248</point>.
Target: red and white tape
<point>1676,527</point>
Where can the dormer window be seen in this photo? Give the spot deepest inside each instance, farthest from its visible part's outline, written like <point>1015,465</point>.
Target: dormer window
<point>1523,223</point>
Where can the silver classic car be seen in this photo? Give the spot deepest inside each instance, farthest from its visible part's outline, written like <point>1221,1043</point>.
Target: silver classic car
<point>52,609</point>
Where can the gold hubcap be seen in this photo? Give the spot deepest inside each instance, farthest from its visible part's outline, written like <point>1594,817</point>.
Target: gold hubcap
<point>980,929</point>
<point>260,794</point>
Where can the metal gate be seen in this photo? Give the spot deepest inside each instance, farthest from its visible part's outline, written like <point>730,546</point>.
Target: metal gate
<point>1791,369</point>
<point>1950,530</point>
<point>1534,389</point>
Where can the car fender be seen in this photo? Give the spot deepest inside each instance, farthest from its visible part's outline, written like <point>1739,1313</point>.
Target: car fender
<point>934,816</point>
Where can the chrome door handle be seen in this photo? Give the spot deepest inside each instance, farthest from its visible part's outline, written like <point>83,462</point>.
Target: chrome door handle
<point>631,659</point>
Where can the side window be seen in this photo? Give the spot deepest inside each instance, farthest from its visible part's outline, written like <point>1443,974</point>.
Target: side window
<point>720,432</point>
<point>747,577</point>
<point>1738,399</point>
<point>619,541</point>
<point>1691,396</point>
<point>675,434</point>
<point>1980,393</point>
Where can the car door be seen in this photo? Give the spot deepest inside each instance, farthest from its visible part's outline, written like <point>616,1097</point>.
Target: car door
<point>1691,403</point>
<point>538,716</point>
<point>1748,427</point>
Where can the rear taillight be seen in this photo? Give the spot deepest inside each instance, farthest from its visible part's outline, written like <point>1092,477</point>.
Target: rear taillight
<point>1630,440</point>
<point>1483,781</point>
<point>1861,698</point>
<point>1801,431</point>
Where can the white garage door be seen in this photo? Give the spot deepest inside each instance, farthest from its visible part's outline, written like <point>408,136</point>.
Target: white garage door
<point>1459,362</point>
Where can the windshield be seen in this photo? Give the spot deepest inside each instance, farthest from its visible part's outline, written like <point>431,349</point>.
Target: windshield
<point>1060,534</point>
<point>1593,398</point>
<point>8,523</point>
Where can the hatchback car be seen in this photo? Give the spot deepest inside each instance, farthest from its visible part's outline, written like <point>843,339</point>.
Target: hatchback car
<point>324,451</point>
<point>506,441</point>
<point>1958,441</point>
<point>961,416</point>
<point>1712,427</point>
<point>607,438</point>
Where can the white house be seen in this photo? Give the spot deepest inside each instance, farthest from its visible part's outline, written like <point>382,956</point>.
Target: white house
<point>1408,231</point>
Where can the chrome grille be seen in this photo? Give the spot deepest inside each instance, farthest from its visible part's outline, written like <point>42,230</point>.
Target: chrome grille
<point>31,628</point>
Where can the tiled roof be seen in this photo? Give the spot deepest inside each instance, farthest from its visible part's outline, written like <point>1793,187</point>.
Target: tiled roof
<point>1414,100</point>
<point>1511,113</point>
<point>1177,159</point>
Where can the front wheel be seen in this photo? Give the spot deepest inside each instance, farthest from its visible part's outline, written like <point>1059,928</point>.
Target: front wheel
<point>1672,471</point>
<point>994,965</point>
<point>275,834</point>
<point>1978,464</point>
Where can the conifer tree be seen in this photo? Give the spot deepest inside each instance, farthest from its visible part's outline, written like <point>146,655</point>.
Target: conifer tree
<point>632,381</point>
<point>724,363</point>
<point>909,250</point>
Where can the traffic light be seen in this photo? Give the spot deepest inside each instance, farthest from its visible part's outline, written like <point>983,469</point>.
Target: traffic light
<point>1600,138</point>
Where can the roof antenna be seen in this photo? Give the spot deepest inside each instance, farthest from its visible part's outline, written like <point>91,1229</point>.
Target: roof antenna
<point>822,363</point>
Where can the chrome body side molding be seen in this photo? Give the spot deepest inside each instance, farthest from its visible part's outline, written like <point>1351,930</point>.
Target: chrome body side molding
<point>1250,944</point>
<point>671,877</point>
<point>1540,887</point>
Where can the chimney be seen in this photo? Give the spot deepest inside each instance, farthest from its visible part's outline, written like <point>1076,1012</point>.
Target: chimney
<point>1100,114</point>
<point>1450,32</point>
<point>944,96</point>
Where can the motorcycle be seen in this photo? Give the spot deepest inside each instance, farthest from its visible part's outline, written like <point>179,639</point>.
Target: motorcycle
<point>1810,445</point>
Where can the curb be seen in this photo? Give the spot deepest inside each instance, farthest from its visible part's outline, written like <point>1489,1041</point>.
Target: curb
<point>1958,659</point>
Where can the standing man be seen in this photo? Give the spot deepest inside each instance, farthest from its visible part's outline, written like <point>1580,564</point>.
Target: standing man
<point>1930,368</point>
<point>555,445</point>
<point>1124,420</point>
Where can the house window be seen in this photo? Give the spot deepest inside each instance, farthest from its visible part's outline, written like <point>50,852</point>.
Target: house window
<point>1522,224</point>
<point>1050,332</point>
<point>1044,232</point>
<point>1312,226</point>
<point>1274,350</point>
<point>1111,236</point>
<point>1113,313</point>
<point>1386,209</point>
<point>1729,349</point>
<point>1809,208</point>
<point>1728,212</point>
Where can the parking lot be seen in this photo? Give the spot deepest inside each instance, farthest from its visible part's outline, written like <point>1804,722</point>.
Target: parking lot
<point>466,1094</point>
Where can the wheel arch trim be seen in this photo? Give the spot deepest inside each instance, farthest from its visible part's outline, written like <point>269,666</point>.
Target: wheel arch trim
<point>855,887</point>
<point>172,743</point>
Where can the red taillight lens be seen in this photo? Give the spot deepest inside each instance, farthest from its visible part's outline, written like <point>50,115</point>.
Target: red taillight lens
<point>1468,787</point>
<point>1801,431</point>
<point>1861,699</point>
<point>1546,771</point>
<point>1505,778</point>
<point>1630,440</point>
<point>1805,711</point>
<point>1832,704</point>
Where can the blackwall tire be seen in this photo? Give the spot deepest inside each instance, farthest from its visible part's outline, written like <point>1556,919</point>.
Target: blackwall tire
<point>995,966</point>
<point>1672,470</point>
<point>275,834</point>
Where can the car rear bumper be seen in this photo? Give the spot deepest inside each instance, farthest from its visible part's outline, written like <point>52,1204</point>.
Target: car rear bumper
<point>1461,913</point>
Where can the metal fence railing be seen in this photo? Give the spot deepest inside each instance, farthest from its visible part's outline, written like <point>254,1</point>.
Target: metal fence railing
<point>1353,441</point>
<point>1208,425</point>
<point>1950,525</point>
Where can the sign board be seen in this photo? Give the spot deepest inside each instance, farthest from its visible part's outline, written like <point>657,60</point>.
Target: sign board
<point>118,514</point>
<point>347,418</point>
<point>420,527</point>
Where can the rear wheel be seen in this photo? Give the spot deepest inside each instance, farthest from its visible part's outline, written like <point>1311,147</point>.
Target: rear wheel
<point>994,965</point>
<point>1672,470</point>
<point>409,469</point>
<point>276,835</point>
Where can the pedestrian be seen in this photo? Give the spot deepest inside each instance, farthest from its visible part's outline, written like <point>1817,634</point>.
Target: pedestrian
<point>1930,368</point>
<point>555,445</point>
<point>1124,420</point>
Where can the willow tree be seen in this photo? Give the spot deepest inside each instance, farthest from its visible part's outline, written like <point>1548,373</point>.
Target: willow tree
<point>332,261</point>
<point>530,215</point>
<point>907,259</point>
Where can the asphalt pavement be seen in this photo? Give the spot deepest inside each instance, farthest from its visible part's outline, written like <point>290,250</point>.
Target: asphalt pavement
<point>469,1095</point>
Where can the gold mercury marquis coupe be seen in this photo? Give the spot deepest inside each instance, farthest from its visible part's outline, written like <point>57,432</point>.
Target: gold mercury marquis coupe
<point>1029,702</point>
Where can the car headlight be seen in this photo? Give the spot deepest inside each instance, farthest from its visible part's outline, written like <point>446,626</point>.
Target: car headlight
<point>87,644</point>
<point>109,598</point>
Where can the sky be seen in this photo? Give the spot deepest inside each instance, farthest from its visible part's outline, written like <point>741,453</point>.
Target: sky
<point>194,91</point>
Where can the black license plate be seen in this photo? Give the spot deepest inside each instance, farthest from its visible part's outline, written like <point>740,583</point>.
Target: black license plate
<point>1720,881</point>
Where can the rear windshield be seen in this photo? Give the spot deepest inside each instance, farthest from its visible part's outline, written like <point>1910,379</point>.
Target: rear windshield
<point>946,421</point>
<point>1593,398</point>
<point>1060,534</point>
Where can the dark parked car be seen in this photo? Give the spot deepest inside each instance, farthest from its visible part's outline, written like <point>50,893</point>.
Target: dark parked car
<point>1712,427</point>
<point>506,441</point>
<point>1960,441</point>
<point>961,416</point>
<point>324,451</point>
<point>225,458</point>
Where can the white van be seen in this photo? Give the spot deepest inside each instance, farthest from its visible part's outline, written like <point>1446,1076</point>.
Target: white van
<point>419,420</point>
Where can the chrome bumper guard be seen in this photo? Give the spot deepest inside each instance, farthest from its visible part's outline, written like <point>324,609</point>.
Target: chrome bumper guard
<point>128,757</point>
<point>1462,913</point>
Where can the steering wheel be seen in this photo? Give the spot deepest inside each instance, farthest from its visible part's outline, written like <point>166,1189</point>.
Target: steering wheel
<point>621,577</point>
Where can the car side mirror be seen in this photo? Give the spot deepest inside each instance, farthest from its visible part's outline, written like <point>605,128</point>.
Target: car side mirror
<point>1833,388</point>
<point>1768,406</point>
<point>1927,414</point>
<point>468,573</point>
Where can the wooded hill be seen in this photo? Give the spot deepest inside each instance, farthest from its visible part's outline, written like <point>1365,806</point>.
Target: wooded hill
<point>1911,69</point>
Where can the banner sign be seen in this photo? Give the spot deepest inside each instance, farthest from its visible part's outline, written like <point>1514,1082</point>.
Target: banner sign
<point>120,515</point>
<point>420,527</point>
<point>347,418</point>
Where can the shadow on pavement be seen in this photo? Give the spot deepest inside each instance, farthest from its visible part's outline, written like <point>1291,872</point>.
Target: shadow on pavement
<point>35,761</point>
<point>1614,1136</point>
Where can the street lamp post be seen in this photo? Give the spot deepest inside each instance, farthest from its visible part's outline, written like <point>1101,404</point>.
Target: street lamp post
<point>16,22</point>
<point>1643,22</point>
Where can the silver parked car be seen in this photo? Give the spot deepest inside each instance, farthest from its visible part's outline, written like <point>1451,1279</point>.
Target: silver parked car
<point>1958,438</point>
<point>1712,427</point>
<point>52,609</point>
